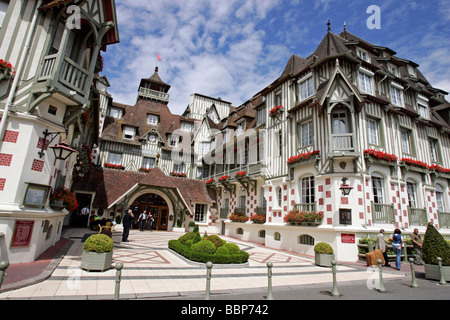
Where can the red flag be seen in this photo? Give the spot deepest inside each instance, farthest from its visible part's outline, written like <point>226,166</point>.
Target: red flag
<point>159,57</point>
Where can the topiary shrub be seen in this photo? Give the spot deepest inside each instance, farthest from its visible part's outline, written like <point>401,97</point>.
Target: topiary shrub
<point>323,248</point>
<point>232,248</point>
<point>216,240</point>
<point>194,236</point>
<point>434,245</point>
<point>204,246</point>
<point>222,250</point>
<point>98,243</point>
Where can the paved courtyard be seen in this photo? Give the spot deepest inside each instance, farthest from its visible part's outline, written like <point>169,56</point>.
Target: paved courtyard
<point>151,270</point>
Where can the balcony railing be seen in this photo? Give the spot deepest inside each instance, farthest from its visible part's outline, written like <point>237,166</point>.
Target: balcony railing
<point>224,213</point>
<point>309,207</point>
<point>70,74</point>
<point>382,213</point>
<point>342,142</point>
<point>261,210</point>
<point>240,211</point>
<point>153,94</point>
<point>417,216</point>
<point>444,219</point>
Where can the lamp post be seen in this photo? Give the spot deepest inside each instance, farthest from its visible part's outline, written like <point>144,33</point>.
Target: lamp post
<point>62,150</point>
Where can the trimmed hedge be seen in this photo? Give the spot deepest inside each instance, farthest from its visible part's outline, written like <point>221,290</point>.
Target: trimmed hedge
<point>98,243</point>
<point>434,245</point>
<point>205,250</point>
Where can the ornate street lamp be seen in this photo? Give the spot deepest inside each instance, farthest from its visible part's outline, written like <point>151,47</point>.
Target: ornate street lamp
<point>345,188</point>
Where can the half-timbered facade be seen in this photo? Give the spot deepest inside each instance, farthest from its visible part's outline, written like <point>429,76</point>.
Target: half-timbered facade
<point>48,100</point>
<point>351,115</point>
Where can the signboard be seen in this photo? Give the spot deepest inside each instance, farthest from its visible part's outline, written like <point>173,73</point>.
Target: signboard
<point>347,238</point>
<point>23,230</point>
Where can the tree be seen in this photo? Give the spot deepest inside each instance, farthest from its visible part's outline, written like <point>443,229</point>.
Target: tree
<point>434,245</point>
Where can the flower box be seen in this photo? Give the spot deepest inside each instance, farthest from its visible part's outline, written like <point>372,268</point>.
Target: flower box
<point>96,261</point>
<point>178,174</point>
<point>303,157</point>
<point>210,181</point>
<point>276,110</point>
<point>258,218</point>
<point>414,163</point>
<point>224,178</point>
<point>238,217</point>
<point>296,217</point>
<point>114,166</point>
<point>241,174</point>
<point>146,170</point>
<point>63,198</point>
<point>379,155</point>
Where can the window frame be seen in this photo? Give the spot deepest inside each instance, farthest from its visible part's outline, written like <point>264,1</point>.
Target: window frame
<point>364,77</point>
<point>308,82</point>
<point>200,216</point>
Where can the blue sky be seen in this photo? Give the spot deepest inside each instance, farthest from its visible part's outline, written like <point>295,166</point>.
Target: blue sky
<point>232,49</point>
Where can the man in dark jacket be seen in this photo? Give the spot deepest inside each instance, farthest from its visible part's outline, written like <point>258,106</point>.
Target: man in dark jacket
<point>126,222</point>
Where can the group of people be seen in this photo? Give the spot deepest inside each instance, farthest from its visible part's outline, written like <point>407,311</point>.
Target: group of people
<point>397,245</point>
<point>142,220</point>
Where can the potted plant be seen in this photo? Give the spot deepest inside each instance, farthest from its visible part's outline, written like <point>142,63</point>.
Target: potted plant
<point>324,254</point>
<point>97,253</point>
<point>191,226</point>
<point>434,246</point>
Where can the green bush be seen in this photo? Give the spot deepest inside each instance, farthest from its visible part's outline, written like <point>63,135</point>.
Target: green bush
<point>434,245</point>
<point>98,243</point>
<point>216,240</point>
<point>217,258</point>
<point>204,246</point>
<point>194,236</point>
<point>233,248</point>
<point>222,250</point>
<point>323,248</point>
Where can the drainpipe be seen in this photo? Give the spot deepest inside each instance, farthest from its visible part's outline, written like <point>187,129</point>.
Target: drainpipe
<point>9,102</point>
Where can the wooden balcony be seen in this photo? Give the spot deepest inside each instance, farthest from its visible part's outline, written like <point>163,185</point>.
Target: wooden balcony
<point>153,94</point>
<point>68,77</point>
<point>382,213</point>
<point>417,216</point>
<point>308,207</point>
<point>342,142</point>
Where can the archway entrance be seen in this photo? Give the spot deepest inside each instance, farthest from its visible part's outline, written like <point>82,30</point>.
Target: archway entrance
<point>155,205</point>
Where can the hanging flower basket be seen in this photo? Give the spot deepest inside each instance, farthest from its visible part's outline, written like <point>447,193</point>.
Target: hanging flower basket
<point>6,70</point>
<point>63,198</point>
<point>210,181</point>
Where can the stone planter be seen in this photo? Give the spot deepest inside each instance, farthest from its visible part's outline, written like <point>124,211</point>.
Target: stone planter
<point>324,260</point>
<point>96,261</point>
<point>432,272</point>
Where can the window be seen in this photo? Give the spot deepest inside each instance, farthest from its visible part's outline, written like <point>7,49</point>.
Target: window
<point>307,190</point>
<point>306,88</point>
<point>115,113</point>
<point>433,150</point>
<point>200,212</point>
<point>129,132</point>
<point>242,202</point>
<point>240,128</point>
<point>261,116</point>
<point>213,116</point>
<point>364,55</point>
<point>52,110</point>
<point>187,126</point>
<point>306,239</point>
<point>115,158</point>
<point>204,148</point>
<point>279,197</point>
<point>440,198</point>
<point>305,134</point>
<point>422,106</point>
<point>148,163</point>
<point>393,69</point>
<point>366,82</point>
<point>397,96</point>
<point>152,119</point>
<point>173,140</point>
<point>280,143</point>
<point>277,236</point>
<point>372,132</point>
<point>178,167</point>
<point>412,196</point>
<point>406,141</point>
<point>411,71</point>
<point>340,122</point>
<point>377,187</point>
<point>278,98</point>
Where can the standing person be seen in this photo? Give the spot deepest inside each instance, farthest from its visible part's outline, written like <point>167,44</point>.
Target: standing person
<point>150,221</point>
<point>397,244</point>
<point>417,245</point>
<point>84,216</point>
<point>141,220</point>
<point>126,222</point>
<point>381,244</point>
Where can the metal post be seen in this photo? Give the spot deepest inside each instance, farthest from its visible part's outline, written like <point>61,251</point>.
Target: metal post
<point>442,278</point>
<point>413,274</point>
<point>3,266</point>
<point>269,276</point>
<point>381,288</point>
<point>335,291</point>
<point>119,267</point>
<point>209,266</point>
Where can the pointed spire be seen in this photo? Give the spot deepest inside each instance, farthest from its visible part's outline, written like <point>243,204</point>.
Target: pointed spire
<point>329,26</point>
<point>345,25</point>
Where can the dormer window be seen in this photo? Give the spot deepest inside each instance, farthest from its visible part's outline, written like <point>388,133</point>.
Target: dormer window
<point>213,115</point>
<point>422,106</point>
<point>393,69</point>
<point>411,71</point>
<point>397,95</point>
<point>364,55</point>
<point>366,81</point>
<point>115,113</point>
<point>306,87</point>
<point>129,133</point>
<point>152,119</point>
<point>187,126</point>
<point>173,140</point>
<point>240,128</point>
